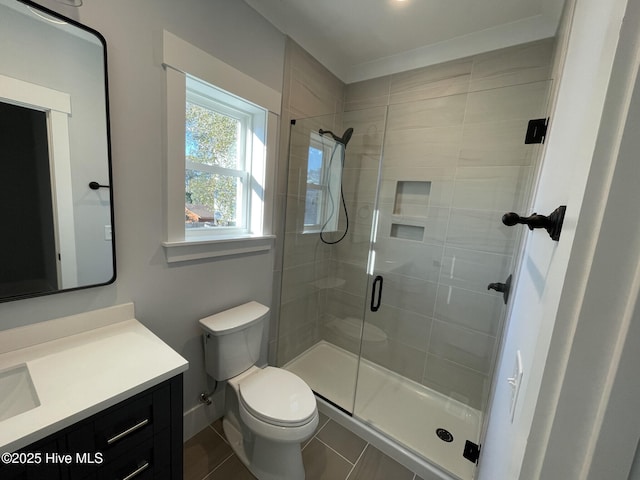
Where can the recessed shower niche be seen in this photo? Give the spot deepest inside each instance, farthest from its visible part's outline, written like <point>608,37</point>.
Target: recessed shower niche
<point>411,200</point>
<point>407,232</point>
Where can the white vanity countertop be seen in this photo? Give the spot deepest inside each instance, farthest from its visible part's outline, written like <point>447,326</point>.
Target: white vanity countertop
<point>77,371</point>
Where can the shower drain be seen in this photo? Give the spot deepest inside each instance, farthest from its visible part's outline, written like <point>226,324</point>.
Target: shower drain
<point>444,435</point>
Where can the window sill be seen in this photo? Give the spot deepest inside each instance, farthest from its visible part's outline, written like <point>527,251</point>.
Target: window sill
<point>188,250</point>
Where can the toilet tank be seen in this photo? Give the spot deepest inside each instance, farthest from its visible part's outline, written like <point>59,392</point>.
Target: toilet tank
<point>232,339</point>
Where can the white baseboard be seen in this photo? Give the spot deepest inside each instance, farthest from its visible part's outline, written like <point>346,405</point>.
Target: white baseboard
<point>198,418</point>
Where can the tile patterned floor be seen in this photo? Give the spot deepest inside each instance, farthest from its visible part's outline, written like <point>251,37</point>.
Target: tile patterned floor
<point>333,453</point>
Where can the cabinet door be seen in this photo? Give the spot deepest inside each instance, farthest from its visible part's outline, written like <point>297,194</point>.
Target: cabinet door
<point>13,472</point>
<point>48,468</point>
<point>37,462</point>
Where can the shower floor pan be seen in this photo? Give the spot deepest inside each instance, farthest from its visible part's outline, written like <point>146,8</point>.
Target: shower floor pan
<point>404,410</point>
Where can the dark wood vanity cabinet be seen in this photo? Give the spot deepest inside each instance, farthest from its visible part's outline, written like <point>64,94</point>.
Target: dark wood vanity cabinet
<point>137,439</point>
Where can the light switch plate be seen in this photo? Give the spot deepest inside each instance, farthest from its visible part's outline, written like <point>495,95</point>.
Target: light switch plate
<point>515,382</point>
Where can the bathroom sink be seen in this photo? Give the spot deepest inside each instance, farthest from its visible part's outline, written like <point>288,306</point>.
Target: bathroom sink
<point>17,393</point>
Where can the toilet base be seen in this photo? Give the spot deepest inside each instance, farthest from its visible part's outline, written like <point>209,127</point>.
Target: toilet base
<point>269,460</point>
<point>234,437</point>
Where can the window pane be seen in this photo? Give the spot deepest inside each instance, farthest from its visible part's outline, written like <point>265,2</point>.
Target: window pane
<point>324,175</point>
<point>313,208</point>
<point>211,200</point>
<point>212,138</point>
<point>314,166</point>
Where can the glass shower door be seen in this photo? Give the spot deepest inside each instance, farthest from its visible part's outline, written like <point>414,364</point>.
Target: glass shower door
<point>431,328</point>
<point>332,187</point>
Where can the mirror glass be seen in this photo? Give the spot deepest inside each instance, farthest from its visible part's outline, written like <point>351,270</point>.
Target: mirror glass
<point>55,166</point>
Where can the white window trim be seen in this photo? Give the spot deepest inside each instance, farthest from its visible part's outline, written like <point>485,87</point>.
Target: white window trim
<point>180,59</point>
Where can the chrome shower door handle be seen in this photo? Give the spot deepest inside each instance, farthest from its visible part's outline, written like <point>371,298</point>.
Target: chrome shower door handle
<point>376,300</point>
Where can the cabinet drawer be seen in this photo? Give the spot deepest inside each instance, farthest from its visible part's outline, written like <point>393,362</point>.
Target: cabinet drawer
<point>124,427</point>
<point>120,429</point>
<point>142,462</point>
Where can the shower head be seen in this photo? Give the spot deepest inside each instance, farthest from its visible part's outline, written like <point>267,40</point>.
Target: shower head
<point>346,136</point>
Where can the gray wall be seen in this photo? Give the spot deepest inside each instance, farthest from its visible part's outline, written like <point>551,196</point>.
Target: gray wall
<point>168,299</point>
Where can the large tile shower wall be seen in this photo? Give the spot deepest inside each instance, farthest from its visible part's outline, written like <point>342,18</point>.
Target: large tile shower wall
<point>454,162</point>
<point>309,90</point>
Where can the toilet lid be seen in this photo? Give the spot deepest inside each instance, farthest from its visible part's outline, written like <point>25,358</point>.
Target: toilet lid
<point>278,397</point>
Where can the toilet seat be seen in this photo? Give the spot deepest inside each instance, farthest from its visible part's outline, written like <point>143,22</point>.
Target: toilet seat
<point>278,397</point>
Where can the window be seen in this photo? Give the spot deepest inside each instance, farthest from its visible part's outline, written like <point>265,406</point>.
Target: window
<point>220,156</point>
<point>224,137</point>
<point>324,172</point>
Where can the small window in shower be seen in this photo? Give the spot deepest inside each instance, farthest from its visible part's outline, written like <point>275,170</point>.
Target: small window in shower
<point>324,176</point>
<point>412,198</point>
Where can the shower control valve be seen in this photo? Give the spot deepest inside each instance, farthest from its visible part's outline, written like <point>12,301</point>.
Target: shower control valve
<point>552,224</point>
<point>503,288</point>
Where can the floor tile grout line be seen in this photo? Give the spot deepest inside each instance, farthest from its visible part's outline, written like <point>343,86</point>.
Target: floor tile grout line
<point>357,460</point>
<point>338,453</point>
<point>322,427</point>
<point>223,437</point>
<point>218,466</point>
<point>315,435</point>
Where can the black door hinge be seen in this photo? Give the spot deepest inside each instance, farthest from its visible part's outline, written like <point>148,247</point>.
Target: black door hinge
<point>471,451</point>
<point>536,130</point>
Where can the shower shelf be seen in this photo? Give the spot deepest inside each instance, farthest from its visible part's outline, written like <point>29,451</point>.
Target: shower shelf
<point>328,282</point>
<point>406,227</point>
<point>409,219</point>
<point>407,232</point>
<point>411,196</point>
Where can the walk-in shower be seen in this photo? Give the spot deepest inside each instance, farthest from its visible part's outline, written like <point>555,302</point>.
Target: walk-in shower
<point>394,324</point>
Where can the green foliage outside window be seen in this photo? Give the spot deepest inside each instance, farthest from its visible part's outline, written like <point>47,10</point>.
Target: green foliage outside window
<point>212,139</point>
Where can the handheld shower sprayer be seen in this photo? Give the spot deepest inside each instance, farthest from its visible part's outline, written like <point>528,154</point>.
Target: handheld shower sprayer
<point>346,136</point>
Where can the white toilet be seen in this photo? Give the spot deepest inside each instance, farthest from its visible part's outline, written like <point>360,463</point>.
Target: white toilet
<point>269,412</point>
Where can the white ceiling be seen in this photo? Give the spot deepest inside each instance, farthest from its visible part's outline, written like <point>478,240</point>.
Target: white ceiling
<point>362,39</point>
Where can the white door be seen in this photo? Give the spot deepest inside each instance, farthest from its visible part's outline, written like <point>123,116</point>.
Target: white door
<point>541,309</point>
